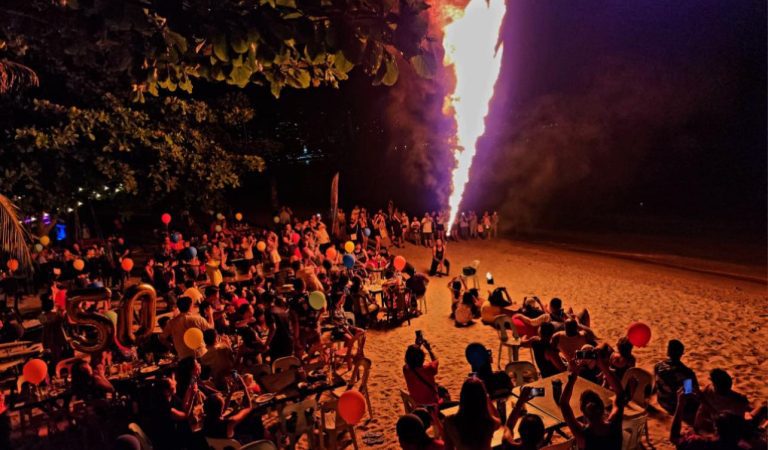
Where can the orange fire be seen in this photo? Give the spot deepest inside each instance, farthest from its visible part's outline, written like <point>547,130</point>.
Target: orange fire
<point>472,52</point>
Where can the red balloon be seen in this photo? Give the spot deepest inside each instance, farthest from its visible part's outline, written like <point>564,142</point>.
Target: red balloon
<point>331,253</point>
<point>127,264</point>
<point>166,218</point>
<point>35,371</point>
<point>399,263</point>
<point>639,334</point>
<point>295,238</point>
<point>351,406</point>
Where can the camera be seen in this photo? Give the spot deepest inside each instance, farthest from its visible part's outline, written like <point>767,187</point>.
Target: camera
<point>586,354</point>
<point>537,392</point>
<point>489,278</point>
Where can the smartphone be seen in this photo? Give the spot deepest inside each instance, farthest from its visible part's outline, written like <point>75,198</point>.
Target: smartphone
<point>586,354</point>
<point>472,375</point>
<point>537,392</point>
<point>489,277</point>
<point>419,337</point>
<point>688,386</point>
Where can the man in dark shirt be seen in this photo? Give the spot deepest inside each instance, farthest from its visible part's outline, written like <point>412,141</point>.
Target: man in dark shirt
<point>670,374</point>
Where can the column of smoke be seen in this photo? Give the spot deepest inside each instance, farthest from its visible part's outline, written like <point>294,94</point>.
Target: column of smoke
<point>562,151</point>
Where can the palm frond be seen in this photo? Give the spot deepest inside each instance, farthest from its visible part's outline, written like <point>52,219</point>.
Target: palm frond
<point>15,77</point>
<point>13,236</point>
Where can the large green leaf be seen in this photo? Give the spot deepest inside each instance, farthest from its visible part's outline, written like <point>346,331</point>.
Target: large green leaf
<point>341,63</point>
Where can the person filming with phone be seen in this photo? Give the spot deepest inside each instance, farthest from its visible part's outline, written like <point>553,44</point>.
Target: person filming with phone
<point>420,377</point>
<point>531,430</point>
<point>599,432</point>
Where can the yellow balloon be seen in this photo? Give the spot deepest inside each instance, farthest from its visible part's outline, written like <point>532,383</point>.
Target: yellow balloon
<point>78,264</point>
<point>45,240</point>
<point>193,338</point>
<point>349,246</point>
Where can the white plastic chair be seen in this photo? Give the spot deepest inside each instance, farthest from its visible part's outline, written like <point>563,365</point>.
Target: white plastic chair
<point>223,444</point>
<point>644,386</point>
<point>408,403</point>
<point>570,444</point>
<point>259,445</point>
<point>285,363</point>
<point>521,372</point>
<point>332,426</point>
<point>304,412</point>
<point>144,441</point>
<point>359,380</point>
<point>502,323</point>
<point>633,430</point>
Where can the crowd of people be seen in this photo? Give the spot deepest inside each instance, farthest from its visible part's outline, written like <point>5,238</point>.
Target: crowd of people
<point>253,293</point>
<point>302,288</point>
<point>563,342</point>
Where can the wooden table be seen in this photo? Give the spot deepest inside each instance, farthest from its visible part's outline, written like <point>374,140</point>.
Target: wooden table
<point>548,405</point>
<point>550,423</point>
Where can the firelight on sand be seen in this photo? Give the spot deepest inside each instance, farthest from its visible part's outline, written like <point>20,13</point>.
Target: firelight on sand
<point>472,48</point>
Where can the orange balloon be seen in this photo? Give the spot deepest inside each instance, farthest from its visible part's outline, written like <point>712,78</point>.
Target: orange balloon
<point>35,371</point>
<point>13,264</point>
<point>351,406</point>
<point>127,264</point>
<point>399,263</point>
<point>261,246</point>
<point>78,264</point>
<point>331,253</point>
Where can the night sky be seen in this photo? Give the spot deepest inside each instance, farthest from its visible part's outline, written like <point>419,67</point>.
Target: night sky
<point>643,109</point>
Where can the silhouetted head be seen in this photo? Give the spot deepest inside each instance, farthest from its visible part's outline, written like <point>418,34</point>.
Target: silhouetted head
<point>414,356</point>
<point>721,381</point>
<point>675,350</point>
<point>592,406</point>
<point>531,430</point>
<point>571,327</point>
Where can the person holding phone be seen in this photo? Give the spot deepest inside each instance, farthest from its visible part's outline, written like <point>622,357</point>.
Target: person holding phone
<point>420,378</point>
<point>729,429</point>
<point>531,429</point>
<point>599,432</point>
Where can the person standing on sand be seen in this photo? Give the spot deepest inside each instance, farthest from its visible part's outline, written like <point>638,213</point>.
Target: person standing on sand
<point>472,225</point>
<point>495,225</point>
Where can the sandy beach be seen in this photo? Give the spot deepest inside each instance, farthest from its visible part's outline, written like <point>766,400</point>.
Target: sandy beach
<point>721,320</point>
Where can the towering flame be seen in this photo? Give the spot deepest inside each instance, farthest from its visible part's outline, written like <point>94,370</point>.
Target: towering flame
<point>470,43</point>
